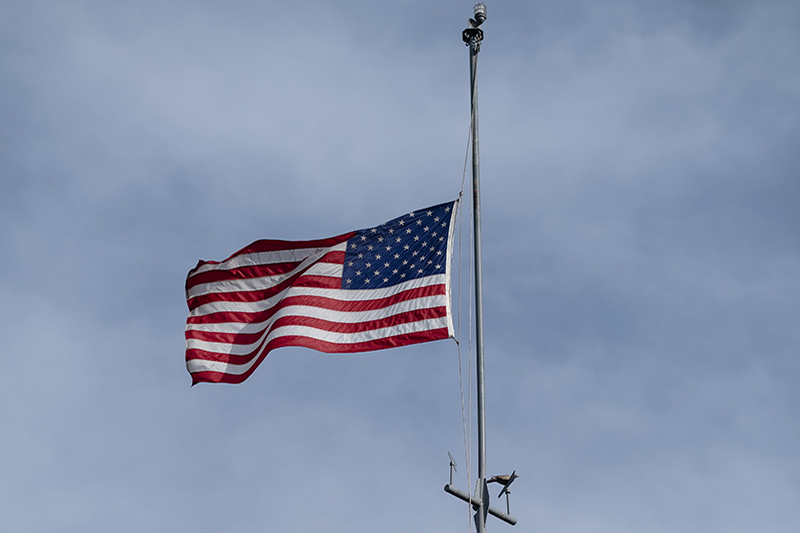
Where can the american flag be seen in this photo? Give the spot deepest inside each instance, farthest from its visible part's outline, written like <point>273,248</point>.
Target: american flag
<point>365,290</point>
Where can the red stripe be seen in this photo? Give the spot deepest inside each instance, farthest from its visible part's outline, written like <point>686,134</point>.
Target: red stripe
<point>335,257</point>
<point>319,282</point>
<point>327,347</point>
<point>318,301</point>
<point>272,245</point>
<point>327,325</point>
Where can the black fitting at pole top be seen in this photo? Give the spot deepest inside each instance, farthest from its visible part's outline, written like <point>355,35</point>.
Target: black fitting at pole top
<point>469,33</point>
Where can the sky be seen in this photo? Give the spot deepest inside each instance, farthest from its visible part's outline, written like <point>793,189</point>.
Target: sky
<point>641,258</point>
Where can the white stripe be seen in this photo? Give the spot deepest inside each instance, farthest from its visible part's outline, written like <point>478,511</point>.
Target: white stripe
<point>450,329</point>
<point>267,258</point>
<point>336,294</point>
<point>345,317</point>
<point>328,270</point>
<point>202,365</point>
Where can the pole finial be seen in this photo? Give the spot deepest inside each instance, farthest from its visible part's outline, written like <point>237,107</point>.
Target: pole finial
<point>480,13</point>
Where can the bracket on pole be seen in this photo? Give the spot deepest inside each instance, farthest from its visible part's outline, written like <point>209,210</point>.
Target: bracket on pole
<point>477,501</point>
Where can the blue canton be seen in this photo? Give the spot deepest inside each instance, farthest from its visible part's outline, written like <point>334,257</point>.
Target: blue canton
<point>408,247</point>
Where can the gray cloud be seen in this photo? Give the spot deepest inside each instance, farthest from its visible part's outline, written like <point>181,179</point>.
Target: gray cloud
<point>640,240</point>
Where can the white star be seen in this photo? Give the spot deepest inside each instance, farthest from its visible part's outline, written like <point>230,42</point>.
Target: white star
<point>411,214</point>
<point>349,263</point>
<point>439,252</point>
<point>361,256</point>
<point>441,238</point>
<point>391,230</point>
<point>414,252</point>
<point>420,271</point>
<point>388,248</point>
<point>403,275</point>
<point>416,237</point>
<point>405,262</point>
<point>349,281</point>
<point>438,266</point>
<point>374,230</point>
<point>397,256</point>
<point>385,280</point>
<point>369,247</point>
<point>394,271</point>
<point>358,272</point>
<point>353,245</point>
<point>405,247</point>
<point>401,222</point>
<point>377,256</point>
<point>398,239</point>
<point>430,213</point>
<point>366,280</point>
<point>380,239</point>
<point>408,230</point>
<point>377,272</point>
<point>386,265</point>
<point>446,209</point>
<point>430,262</point>
<point>363,237</point>
<point>444,224</point>
<point>424,244</point>
<point>433,234</point>
<point>419,222</point>
<point>436,219</point>
<point>369,265</point>
<point>426,228</point>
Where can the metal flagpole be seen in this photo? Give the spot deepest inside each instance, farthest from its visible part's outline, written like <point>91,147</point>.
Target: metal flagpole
<point>473,36</point>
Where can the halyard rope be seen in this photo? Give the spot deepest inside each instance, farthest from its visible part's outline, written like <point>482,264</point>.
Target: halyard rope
<point>466,413</point>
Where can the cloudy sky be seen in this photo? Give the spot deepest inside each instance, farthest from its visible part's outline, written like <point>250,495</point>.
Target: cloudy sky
<point>641,183</point>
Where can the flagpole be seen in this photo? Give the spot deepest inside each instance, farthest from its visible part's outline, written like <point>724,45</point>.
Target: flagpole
<point>473,36</point>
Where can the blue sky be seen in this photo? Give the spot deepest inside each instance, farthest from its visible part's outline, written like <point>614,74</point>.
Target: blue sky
<point>641,261</point>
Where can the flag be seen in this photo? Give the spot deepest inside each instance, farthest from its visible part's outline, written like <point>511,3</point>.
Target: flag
<point>364,290</point>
